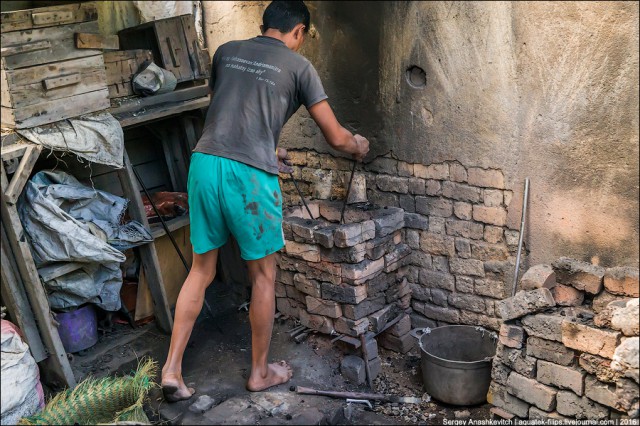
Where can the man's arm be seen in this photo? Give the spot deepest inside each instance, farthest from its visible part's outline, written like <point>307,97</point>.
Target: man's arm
<point>337,136</point>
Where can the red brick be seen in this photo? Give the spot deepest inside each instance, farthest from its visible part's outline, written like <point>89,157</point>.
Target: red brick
<point>316,322</point>
<point>511,335</point>
<point>538,276</point>
<point>589,339</point>
<point>622,281</point>
<point>565,295</point>
<point>327,308</point>
<point>581,275</point>
<point>308,252</point>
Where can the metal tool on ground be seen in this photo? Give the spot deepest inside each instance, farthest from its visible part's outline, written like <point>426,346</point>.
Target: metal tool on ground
<point>168,232</point>
<point>360,401</point>
<point>358,395</point>
<point>365,355</point>
<point>525,198</point>
<point>295,183</point>
<point>346,197</point>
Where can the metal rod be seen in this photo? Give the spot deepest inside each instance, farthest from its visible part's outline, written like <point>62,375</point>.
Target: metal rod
<point>295,183</point>
<point>346,198</point>
<point>166,229</point>
<point>525,199</point>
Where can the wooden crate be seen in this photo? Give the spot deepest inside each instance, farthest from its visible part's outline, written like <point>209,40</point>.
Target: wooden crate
<point>121,66</point>
<point>26,48</point>
<point>44,77</point>
<point>47,93</point>
<point>174,44</point>
<point>47,16</point>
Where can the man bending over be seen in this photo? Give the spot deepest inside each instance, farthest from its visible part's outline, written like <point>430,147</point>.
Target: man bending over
<point>257,85</point>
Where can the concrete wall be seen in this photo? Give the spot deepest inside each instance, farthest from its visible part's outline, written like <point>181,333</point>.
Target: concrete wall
<point>544,90</point>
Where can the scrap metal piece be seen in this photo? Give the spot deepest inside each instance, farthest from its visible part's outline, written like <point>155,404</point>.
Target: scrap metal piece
<point>360,401</point>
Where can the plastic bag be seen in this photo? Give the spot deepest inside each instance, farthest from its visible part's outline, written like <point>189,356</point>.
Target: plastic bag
<point>22,394</point>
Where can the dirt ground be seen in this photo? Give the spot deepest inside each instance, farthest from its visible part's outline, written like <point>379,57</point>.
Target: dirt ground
<point>217,364</point>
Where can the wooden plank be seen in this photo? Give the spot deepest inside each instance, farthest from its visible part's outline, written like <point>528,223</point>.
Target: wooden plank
<point>19,179</point>
<point>148,254</point>
<point>121,68</point>
<point>14,150</point>
<point>5,94</point>
<point>15,298</point>
<point>157,230</point>
<point>189,132</point>
<point>50,18</point>
<point>7,117</point>
<point>60,109</point>
<point>172,270</point>
<point>163,111</point>
<point>173,47</point>
<point>62,45</point>
<point>178,154</point>
<point>24,48</point>
<point>45,17</point>
<point>11,139</point>
<point>28,85</point>
<point>97,41</point>
<point>197,59</point>
<point>124,55</point>
<point>33,286</point>
<point>178,96</point>
<point>166,150</point>
<point>120,90</point>
<point>50,272</point>
<point>62,81</point>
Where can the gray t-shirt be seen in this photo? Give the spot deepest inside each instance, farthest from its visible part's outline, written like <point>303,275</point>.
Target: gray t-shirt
<point>257,86</point>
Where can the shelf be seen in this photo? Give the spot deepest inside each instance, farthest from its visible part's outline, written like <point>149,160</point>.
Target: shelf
<point>179,222</point>
<point>141,110</point>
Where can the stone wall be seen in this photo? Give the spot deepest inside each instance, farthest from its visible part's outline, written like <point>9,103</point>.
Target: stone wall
<point>463,251</point>
<point>568,346</point>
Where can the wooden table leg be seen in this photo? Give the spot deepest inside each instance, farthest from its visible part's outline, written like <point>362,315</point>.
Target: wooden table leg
<point>34,288</point>
<point>148,254</point>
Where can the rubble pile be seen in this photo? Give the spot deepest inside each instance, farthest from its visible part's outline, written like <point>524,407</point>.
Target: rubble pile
<point>568,346</point>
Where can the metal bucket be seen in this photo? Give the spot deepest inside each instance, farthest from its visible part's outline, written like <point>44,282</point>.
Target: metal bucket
<point>78,329</point>
<point>456,362</point>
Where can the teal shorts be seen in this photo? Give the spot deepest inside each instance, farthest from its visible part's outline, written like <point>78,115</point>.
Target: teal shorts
<point>226,196</point>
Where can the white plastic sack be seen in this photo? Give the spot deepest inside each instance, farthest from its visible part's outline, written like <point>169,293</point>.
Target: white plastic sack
<point>22,394</point>
<point>95,137</point>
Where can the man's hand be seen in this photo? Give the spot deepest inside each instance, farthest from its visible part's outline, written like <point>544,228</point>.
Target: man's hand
<point>283,159</point>
<point>362,147</point>
<point>337,136</point>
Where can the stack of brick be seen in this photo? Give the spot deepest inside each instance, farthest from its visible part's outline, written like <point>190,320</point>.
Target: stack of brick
<point>342,278</point>
<point>557,358</point>
<point>463,248</point>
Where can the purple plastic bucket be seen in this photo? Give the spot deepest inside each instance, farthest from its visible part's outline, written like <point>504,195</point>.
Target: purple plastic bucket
<point>78,329</point>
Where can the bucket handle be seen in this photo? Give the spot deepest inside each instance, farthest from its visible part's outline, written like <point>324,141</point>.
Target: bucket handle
<point>418,333</point>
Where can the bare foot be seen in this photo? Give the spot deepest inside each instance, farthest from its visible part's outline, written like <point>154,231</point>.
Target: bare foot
<point>174,389</point>
<point>277,373</point>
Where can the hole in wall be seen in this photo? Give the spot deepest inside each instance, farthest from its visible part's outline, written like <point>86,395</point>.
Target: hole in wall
<point>416,77</point>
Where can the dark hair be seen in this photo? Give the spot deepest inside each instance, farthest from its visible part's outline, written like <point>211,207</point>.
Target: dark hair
<point>284,15</point>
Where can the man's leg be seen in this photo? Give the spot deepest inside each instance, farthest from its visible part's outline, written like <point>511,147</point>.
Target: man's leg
<point>261,311</point>
<point>188,307</point>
